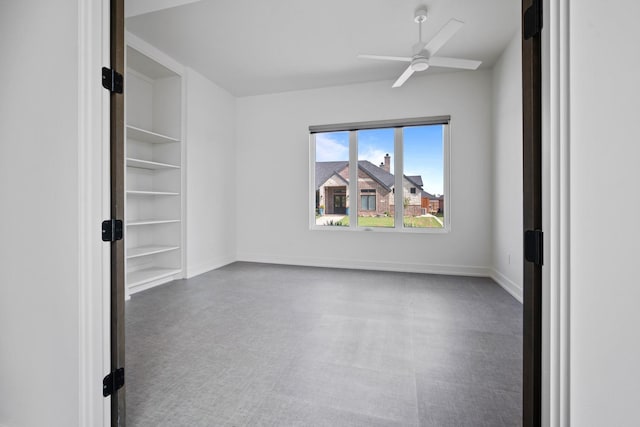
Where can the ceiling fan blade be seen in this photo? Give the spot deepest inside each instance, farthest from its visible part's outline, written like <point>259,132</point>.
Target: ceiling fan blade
<point>386,58</point>
<point>403,78</point>
<point>443,36</point>
<point>465,64</point>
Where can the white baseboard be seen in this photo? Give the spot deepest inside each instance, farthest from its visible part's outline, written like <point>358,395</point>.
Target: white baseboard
<point>457,270</point>
<point>509,285</point>
<point>197,270</point>
<point>153,284</point>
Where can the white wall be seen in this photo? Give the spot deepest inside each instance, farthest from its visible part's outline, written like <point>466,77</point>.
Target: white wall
<point>211,195</point>
<point>273,167</point>
<point>139,7</point>
<point>39,328</point>
<point>604,213</point>
<point>507,168</point>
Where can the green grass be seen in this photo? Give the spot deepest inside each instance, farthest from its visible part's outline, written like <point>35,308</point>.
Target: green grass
<point>372,221</point>
<point>421,222</point>
<point>387,221</point>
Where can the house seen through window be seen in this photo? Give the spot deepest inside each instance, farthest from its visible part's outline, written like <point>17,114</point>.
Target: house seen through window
<point>369,164</point>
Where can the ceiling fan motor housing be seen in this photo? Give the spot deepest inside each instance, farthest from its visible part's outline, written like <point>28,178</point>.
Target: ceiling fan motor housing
<point>419,64</point>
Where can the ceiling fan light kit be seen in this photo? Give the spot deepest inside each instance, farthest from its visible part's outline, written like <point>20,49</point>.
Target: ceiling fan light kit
<point>419,64</point>
<point>423,52</point>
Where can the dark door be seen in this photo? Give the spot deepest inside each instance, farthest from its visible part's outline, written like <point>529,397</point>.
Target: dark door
<point>339,204</point>
<point>117,212</point>
<point>532,211</point>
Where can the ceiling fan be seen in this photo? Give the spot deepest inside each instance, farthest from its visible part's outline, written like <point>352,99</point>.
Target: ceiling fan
<point>423,52</point>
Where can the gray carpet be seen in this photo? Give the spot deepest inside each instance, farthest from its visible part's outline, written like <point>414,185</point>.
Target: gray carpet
<point>269,345</point>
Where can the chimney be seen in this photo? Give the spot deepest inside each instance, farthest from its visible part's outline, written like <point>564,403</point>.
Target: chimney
<point>387,163</point>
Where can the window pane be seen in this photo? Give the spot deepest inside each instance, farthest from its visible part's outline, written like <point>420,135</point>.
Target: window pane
<point>423,171</point>
<point>332,179</point>
<point>375,178</point>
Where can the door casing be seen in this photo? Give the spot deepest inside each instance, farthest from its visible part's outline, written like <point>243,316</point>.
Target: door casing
<point>532,198</point>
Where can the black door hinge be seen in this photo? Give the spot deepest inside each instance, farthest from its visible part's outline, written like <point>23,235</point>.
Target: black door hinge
<point>111,230</point>
<point>113,382</point>
<point>533,244</point>
<point>533,20</point>
<point>112,80</point>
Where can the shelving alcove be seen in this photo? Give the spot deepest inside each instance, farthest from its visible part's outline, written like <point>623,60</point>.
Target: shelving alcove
<point>154,182</point>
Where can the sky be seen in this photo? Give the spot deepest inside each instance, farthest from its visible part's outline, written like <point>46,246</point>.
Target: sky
<point>423,151</point>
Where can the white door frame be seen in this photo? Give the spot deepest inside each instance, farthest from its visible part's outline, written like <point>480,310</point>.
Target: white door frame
<point>556,279</point>
<point>94,206</point>
<point>93,193</point>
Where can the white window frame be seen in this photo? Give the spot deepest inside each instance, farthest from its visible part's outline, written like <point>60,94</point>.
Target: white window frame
<point>398,172</point>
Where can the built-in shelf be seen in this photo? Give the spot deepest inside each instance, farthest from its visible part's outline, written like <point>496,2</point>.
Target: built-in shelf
<point>149,250</point>
<point>146,164</point>
<point>138,277</point>
<point>148,136</point>
<point>150,221</point>
<point>151,193</point>
<point>154,167</point>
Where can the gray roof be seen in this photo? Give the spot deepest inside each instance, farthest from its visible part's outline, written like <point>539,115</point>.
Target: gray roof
<point>380,175</point>
<point>427,195</point>
<point>416,179</point>
<point>324,171</point>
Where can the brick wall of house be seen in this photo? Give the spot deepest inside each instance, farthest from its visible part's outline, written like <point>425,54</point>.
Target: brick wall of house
<point>345,172</point>
<point>365,182</point>
<point>385,200</point>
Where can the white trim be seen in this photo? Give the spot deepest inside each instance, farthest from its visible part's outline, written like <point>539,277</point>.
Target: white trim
<point>153,283</point>
<point>399,230</point>
<point>398,152</point>
<point>208,266</point>
<point>557,262</point>
<point>353,194</point>
<point>137,74</point>
<point>154,53</point>
<point>558,199</point>
<point>85,361</point>
<point>93,261</point>
<point>446,195</point>
<point>135,8</point>
<point>312,180</point>
<point>457,270</point>
<point>507,284</point>
<point>184,82</point>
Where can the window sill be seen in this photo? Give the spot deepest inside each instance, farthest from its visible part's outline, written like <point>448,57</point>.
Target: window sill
<point>408,230</point>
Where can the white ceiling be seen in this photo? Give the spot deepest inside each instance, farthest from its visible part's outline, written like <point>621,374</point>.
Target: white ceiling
<point>252,47</point>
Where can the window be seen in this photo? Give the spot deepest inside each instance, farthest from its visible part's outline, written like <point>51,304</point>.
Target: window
<point>331,177</point>
<point>368,203</point>
<point>372,159</point>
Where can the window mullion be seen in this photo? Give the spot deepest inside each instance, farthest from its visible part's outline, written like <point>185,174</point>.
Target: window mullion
<point>398,171</point>
<point>353,196</point>
<point>312,180</point>
<point>447,176</point>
